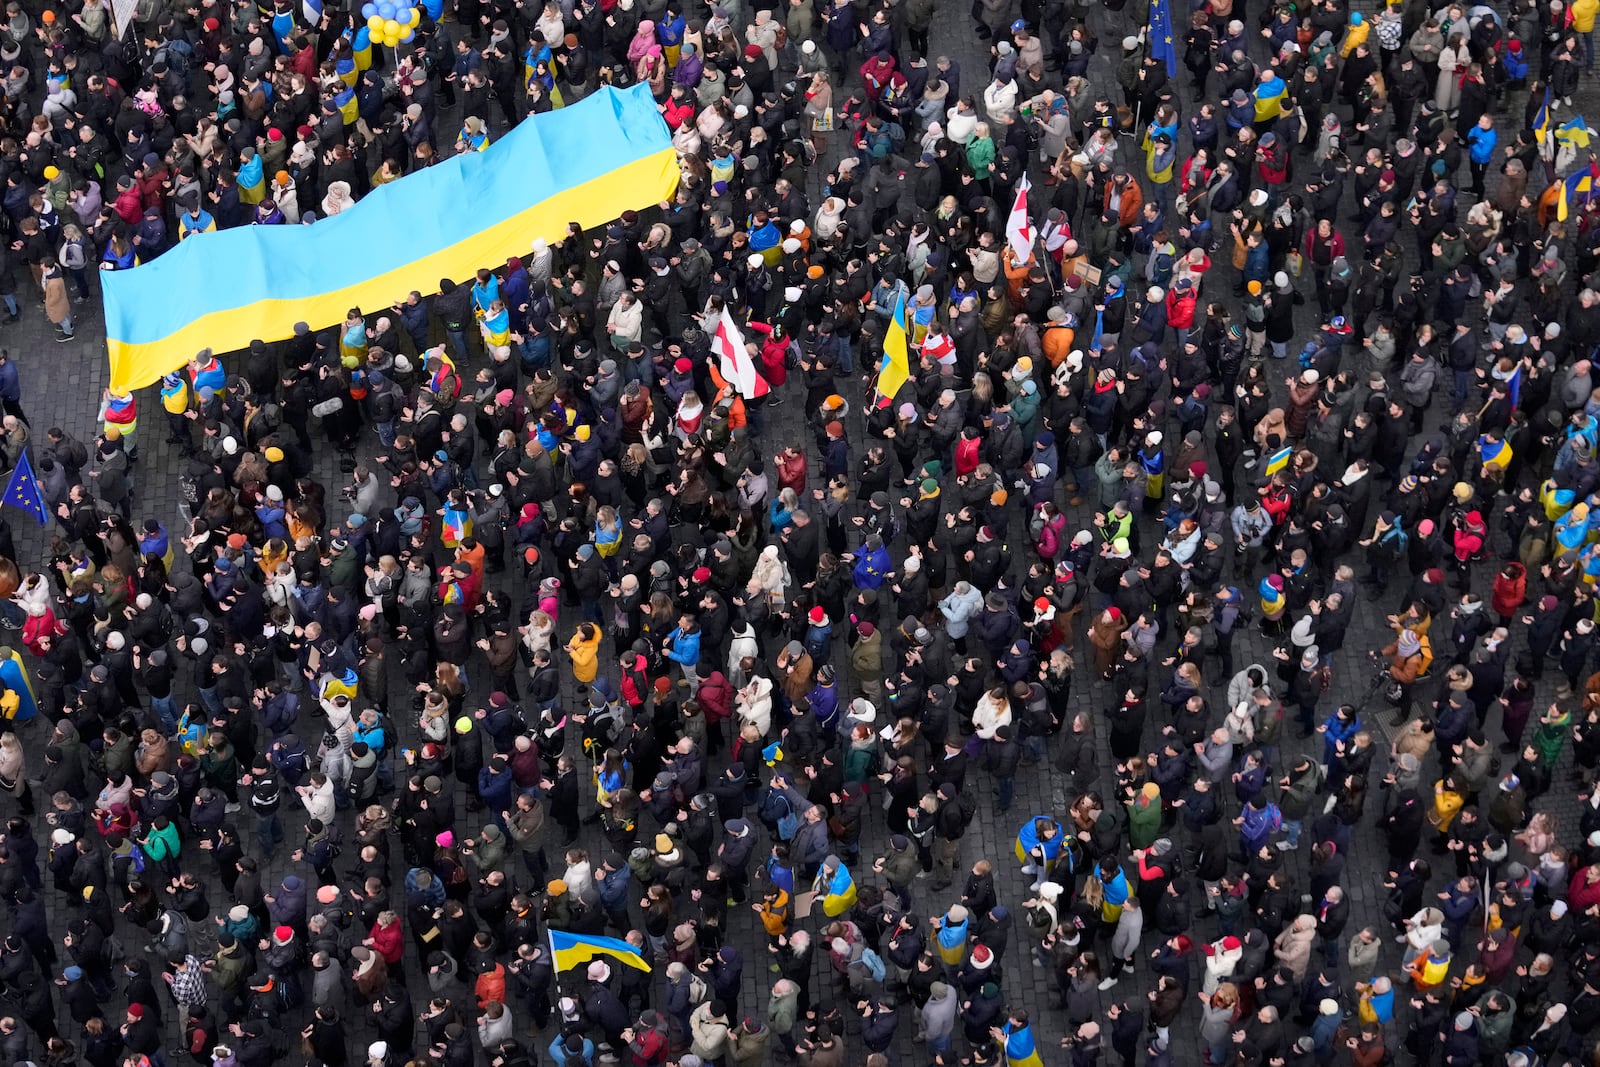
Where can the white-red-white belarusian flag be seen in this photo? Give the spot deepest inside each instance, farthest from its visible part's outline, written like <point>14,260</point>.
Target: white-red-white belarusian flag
<point>734,362</point>
<point>1019,232</point>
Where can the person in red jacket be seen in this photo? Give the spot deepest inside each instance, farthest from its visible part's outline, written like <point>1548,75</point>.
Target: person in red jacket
<point>1468,540</point>
<point>1510,590</point>
<point>1180,310</point>
<point>385,938</point>
<point>678,109</point>
<point>774,354</point>
<point>968,451</point>
<point>1322,246</point>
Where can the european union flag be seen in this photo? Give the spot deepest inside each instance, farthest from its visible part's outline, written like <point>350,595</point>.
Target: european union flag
<point>23,492</point>
<point>1161,46</point>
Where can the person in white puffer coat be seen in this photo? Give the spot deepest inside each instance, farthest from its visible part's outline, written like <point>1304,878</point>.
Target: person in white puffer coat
<point>754,704</point>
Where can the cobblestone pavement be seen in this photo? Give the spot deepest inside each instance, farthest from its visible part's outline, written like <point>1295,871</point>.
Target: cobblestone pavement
<point>63,383</point>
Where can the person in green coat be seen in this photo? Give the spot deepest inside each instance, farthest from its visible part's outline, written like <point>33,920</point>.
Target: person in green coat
<point>980,154</point>
<point>1551,737</point>
<point>1144,816</point>
<point>861,754</point>
<point>162,845</point>
<point>1025,409</point>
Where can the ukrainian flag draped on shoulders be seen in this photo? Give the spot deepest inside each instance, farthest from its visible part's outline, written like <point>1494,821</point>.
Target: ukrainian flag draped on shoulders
<point>360,53</point>
<point>252,180</point>
<point>497,327</point>
<point>1269,97</point>
<point>1021,1050</point>
<point>835,888</point>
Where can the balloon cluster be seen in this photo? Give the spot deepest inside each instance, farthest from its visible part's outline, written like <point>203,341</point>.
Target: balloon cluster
<point>391,22</point>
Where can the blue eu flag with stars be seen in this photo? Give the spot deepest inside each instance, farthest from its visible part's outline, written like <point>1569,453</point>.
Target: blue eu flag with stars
<point>1161,43</point>
<point>23,492</point>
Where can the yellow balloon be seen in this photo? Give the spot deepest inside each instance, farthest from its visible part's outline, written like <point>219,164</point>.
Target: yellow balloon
<point>416,16</point>
<point>392,40</point>
<point>405,37</point>
<point>391,28</point>
<point>375,24</point>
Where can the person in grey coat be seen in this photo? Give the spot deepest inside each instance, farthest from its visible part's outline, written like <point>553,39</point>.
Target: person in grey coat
<point>937,1020</point>
<point>328,990</point>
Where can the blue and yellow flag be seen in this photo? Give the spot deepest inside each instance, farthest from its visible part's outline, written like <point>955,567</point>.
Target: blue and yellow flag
<point>1279,460</point>
<point>837,893</point>
<point>585,164</point>
<point>349,107</point>
<point>1492,453</point>
<point>1161,46</point>
<point>1574,132</point>
<point>1021,1051</point>
<point>569,950</point>
<point>252,183</point>
<point>497,328</point>
<point>1577,188</point>
<point>1541,121</point>
<point>189,224</point>
<point>773,753</point>
<point>360,50</point>
<point>895,370</point>
<point>23,492</point>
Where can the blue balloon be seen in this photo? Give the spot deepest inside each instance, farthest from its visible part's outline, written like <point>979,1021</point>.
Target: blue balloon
<point>368,10</point>
<point>386,10</point>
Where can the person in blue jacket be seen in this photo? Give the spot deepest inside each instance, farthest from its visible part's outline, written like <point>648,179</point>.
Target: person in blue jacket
<point>1481,141</point>
<point>683,645</point>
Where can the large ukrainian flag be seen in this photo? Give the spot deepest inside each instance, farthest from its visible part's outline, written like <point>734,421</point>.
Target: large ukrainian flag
<point>569,950</point>
<point>895,369</point>
<point>585,163</point>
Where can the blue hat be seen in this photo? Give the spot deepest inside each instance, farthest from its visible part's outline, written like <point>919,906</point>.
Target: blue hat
<point>1019,25</point>
<point>72,974</point>
<point>442,456</point>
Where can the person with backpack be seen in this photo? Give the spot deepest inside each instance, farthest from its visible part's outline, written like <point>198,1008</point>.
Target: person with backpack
<point>161,846</point>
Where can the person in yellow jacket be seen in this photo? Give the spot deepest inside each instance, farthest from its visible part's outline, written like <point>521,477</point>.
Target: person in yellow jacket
<point>584,651</point>
<point>1357,34</point>
<point>1447,802</point>
<point>1583,13</point>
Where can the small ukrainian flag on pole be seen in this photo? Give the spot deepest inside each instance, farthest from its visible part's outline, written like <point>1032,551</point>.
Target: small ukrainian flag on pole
<point>569,950</point>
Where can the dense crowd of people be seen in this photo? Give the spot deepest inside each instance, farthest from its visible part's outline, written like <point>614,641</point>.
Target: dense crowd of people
<point>1286,344</point>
